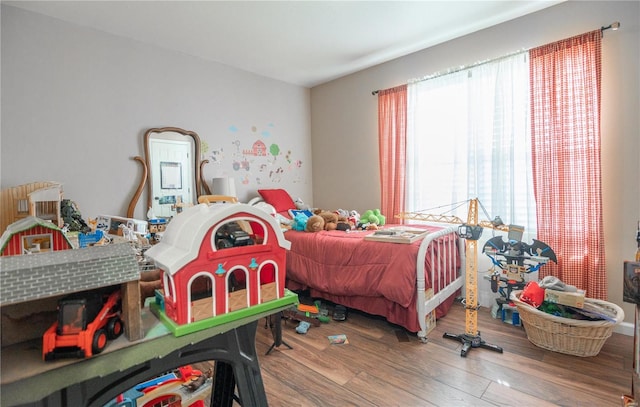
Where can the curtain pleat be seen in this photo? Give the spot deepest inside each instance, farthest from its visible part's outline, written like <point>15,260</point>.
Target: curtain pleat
<point>392,130</point>
<point>565,79</point>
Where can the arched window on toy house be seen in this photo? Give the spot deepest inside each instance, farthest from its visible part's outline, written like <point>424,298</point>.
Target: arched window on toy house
<point>258,231</point>
<point>169,286</point>
<point>201,296</point>
<point>268,282</point>
<point>237,279</point>
<point>239,297</point>
<point>234,232</point>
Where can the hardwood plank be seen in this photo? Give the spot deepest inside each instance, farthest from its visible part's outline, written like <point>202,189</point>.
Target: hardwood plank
<point>501,395</point>
<point>376,368</point>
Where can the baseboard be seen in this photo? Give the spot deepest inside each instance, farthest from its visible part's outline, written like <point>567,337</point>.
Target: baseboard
<point>624,328</point>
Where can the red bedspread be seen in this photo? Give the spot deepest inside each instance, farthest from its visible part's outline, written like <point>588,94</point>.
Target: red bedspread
<point>375,277</point>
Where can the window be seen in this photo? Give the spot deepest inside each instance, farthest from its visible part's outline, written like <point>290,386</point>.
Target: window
<point>468,136</point>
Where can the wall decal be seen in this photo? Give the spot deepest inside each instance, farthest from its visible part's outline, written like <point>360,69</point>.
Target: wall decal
<point>274,149</point>
<point>216,156</point>
<point>253,159</point>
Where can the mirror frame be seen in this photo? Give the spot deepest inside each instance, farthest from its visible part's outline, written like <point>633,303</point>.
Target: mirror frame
<point>200,184</point>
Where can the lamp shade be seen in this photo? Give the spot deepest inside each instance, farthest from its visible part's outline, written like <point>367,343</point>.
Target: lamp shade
<point>224,186</point>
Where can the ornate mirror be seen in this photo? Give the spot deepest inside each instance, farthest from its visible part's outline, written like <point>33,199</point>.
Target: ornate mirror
<point>172,171</point>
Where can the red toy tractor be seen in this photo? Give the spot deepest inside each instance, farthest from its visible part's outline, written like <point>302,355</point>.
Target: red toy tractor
<point>85,322</point>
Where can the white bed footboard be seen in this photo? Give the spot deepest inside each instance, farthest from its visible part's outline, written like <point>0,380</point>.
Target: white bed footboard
<point>448,269</point>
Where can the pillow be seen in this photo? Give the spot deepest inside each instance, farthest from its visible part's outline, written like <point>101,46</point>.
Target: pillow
<point>278,198</point>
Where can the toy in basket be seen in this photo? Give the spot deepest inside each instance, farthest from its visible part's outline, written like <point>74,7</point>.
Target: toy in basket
<point>564,335</point>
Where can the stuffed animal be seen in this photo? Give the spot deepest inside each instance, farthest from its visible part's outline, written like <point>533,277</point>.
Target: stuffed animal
<point>301,205</point>
<point>381,217</point>
<point>300,222</point>
<point>343,224</point>
<point>284,221</point>
<point>270,209</point>
<point>342,213</point>
<point>330,220</point>
<point>373,217</point>
<point>315,223</point>
<point>354,217</point>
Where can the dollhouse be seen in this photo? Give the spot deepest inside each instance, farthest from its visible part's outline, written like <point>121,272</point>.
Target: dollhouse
<point>218,259</point>
<point>41,199</point>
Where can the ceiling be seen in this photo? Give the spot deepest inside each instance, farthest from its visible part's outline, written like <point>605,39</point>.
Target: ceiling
<point>304,43</point>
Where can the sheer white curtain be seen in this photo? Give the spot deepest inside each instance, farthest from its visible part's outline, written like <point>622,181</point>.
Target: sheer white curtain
<point>468,135</point>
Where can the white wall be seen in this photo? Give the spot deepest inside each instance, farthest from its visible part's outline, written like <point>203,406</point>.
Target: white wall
<point>76,102</point>
<point>344,115</point>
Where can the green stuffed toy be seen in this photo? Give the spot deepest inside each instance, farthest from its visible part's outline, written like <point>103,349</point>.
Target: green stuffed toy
<point>373,217</point>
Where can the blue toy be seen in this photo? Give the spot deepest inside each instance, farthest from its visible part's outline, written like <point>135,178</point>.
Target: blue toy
<point>86,239</point>
<point>300,222</point>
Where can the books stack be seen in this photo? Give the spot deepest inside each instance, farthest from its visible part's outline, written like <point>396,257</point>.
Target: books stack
<point>399,234</point>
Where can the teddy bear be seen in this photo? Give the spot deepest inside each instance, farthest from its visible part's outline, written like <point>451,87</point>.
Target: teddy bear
<point>330,220</point>
<point>315,223</point>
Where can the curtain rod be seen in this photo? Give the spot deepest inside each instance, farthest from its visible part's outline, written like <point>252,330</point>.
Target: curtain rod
<point>459,69</point>
<point>613,26</point>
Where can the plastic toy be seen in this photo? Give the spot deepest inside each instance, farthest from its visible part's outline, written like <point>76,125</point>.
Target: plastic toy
<point>205,284</point>
<point>514,259</point>
<point>303,327</point>
<point>91,238</point>
<point>470,231</point>
<point>157,227</point>
<point>184,386</point>
<point>232,235</point>
<point>32,235</point>
<point>39,199</point>
<point>85,322</point>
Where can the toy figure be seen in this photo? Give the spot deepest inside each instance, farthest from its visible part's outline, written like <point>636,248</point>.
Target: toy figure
<point>514,259</point>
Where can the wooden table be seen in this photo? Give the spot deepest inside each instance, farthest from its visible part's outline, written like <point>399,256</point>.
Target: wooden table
<point>98,380</point>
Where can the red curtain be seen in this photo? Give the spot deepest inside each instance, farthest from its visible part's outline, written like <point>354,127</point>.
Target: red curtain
<point>392,136</point>
<point>565,123</point>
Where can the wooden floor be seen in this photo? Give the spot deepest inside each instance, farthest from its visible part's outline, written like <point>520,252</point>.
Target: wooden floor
<point>383,366</point>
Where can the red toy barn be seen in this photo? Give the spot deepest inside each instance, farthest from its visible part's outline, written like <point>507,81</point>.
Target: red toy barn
<point>210,266</point>
<point>32,235</point>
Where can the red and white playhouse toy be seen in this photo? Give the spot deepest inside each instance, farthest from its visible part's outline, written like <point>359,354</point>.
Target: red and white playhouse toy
<point>219,258</point>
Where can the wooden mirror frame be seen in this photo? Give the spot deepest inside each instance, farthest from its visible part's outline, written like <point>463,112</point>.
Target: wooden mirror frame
<point>200,184</point>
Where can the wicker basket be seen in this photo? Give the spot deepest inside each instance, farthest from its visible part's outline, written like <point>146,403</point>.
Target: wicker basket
<point>564,335</point>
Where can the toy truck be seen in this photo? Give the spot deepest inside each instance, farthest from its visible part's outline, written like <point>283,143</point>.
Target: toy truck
<point>86,321</point>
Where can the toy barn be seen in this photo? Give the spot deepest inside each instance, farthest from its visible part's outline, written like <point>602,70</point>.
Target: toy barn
<point>32,235</point>
<point>219,258</point>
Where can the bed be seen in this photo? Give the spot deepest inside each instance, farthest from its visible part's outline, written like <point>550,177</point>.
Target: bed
<point>402,282</point>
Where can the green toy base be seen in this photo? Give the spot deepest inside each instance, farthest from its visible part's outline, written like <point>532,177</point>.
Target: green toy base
<point>290,298</point>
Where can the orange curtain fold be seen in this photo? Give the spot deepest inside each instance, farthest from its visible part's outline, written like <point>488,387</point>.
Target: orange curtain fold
<point>565,79</point>
<point>392,136</point>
